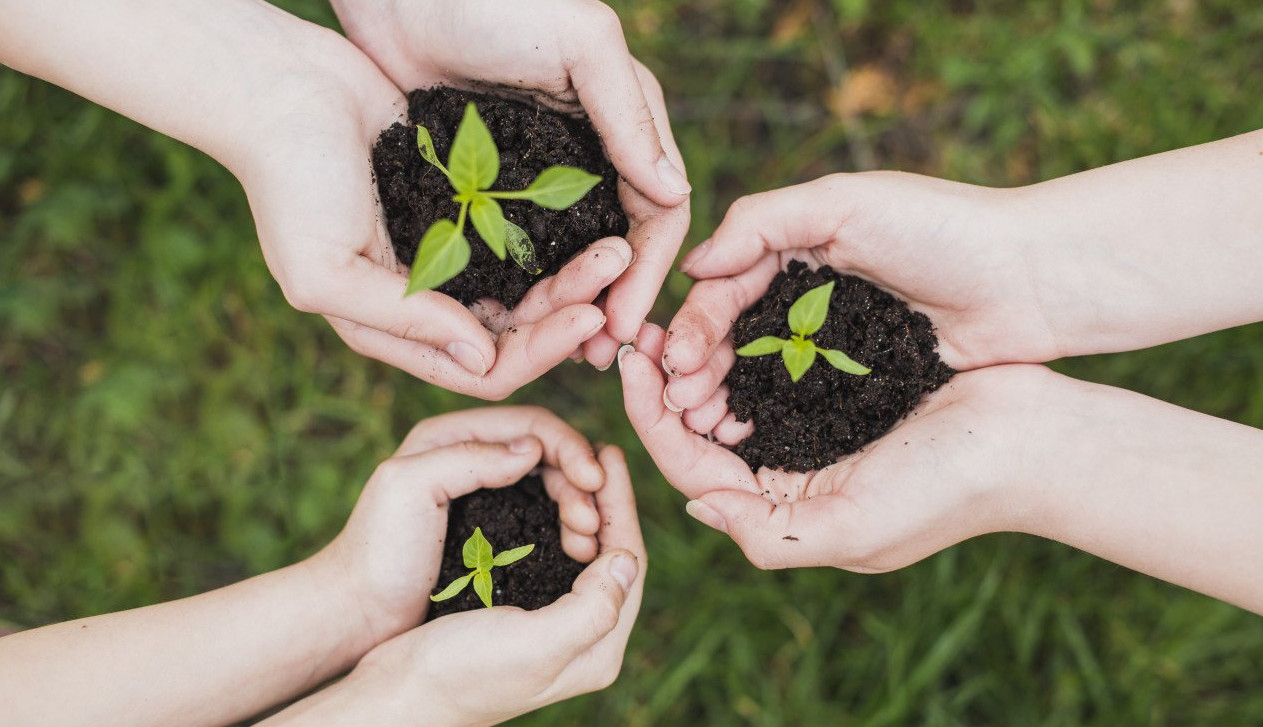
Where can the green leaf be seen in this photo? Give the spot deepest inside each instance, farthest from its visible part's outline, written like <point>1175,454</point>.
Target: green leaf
<point>477,551</point>
<point>512,556</point>
<point>489,221</point>
<point>482,586</point>
<point>426,144</point>
<point>762,346</point>
<point>842,362</point>
<point>556,188</point>
<point>442,254</point>
<point>474,161</point>
<point>456,586</point>
<point>798,355</point>
<point>521,248</point>
<point>807,313</point>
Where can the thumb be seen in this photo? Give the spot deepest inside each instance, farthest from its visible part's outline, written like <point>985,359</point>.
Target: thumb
<point>461,468</point>
<point>581,618</point>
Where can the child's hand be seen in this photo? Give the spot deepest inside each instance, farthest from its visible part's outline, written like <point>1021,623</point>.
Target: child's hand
<point>939,477</point>
<point>569,55</point>
<point>484,666</point>
<point>387,557</point>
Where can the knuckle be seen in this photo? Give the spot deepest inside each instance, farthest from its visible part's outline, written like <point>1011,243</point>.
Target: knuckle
<point>603,20</point>
<point>303,294</point>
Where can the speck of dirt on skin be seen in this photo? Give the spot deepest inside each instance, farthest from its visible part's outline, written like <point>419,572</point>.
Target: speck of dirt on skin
<point>790,537</point>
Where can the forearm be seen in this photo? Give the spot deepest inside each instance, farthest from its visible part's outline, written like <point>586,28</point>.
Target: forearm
<point>211,659</point>
<point>196,70</point>
<point>1159,489</point>
<point>1151,250</point>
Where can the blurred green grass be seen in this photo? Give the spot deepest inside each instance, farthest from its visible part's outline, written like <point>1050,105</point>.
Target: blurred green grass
<point>168,424</point>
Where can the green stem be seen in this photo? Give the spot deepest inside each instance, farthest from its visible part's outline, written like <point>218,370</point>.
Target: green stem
<point>460,219</point>
<point>520,194</point>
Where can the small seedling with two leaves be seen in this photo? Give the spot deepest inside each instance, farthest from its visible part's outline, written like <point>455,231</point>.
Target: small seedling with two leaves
<point>472,167</point>
<point>478,556</point>
<point>806,316</point>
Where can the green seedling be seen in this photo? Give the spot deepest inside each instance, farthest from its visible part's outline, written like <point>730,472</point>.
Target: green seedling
<point>472,167</point>
<point>806,316</point>
<point>477,554</point>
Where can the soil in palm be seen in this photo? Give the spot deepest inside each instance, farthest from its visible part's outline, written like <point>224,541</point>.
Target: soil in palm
<point>415,195</point>
<point>808,425</point>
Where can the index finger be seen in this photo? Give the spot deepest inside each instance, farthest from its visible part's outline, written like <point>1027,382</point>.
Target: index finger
<point>707,315</point>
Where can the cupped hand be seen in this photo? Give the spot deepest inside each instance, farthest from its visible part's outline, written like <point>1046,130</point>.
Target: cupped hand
<point>484,666</point>
<point>389,553</point>
<point>569,55</point>
<point>950,250</point>
<point>950,472</point>
<point>311,191</point>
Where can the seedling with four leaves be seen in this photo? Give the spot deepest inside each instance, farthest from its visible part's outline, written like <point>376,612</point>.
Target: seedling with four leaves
<point>472,167</point>
<point>478,556</point>
<point>806,316</point>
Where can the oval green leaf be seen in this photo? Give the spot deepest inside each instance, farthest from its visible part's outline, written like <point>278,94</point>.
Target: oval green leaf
<point>442,254</point>
<point>842,362</point>
<point>521,248</point>
<point>426,144</point>
<point>482,586</point>
<point>514,555</point>
<point>456,586</point>
<point>477,551</point>
<point>798,355</point>
<point>556,188</point>
<point>807,313</point>
<point>474,161</point>
<point>489,220</point>
<point>762,346</point>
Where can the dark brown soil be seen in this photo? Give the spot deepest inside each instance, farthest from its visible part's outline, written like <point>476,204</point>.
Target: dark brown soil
<point>808,425</point>
<point>530,138</point>
<point>509,517</point>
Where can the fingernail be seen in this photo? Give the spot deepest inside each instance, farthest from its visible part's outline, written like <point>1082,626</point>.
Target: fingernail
<point>623,350</point>
<point>667,401</point>
<point>694,256</point>
<point>623,253</point>
<point>595,329</point>
<point>706,515</point>
<point>577,357</point>
<point>468,357</point>
<point>624,569</point>
<point>606,367</point>
<point>672,178</point>
<point>522,445</point>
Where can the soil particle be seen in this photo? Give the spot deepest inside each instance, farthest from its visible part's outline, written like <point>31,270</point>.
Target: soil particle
<point>509,517</point>
<point>415,195</point>
<point>828,414</point>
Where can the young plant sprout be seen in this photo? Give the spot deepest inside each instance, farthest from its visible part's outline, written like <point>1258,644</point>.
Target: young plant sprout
<point>472,167</point>
<point>477,554</point>
<point>806,316</point>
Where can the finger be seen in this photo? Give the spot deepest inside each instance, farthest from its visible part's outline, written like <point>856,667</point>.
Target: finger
<point>373,296</point>
<point>605,79</point>
<point>729,432</point>
<point>593,608</point>
<point>709,311</point>
<point>600,350</point>
<point>576,507</point>
<point>616,503</point>
<point>792,535</point>
<point>564,447</point>
<point>656,235</point>
<point>580,281</point>
<point>459,469</point>
<point>693,390</point>
<point>704,418</point>
<point>689,462</point>
<point>799,217</point>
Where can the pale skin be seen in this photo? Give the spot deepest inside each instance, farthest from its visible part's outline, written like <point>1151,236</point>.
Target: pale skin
<point>1123,257</point>
<point>292,110</point>
<point>223,656</point>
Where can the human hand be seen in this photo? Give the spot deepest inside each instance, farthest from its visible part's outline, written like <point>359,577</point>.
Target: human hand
<point>484,666</point>
<point>388,555</point>
<point>948,249</point>
<point>569,55</point>
<point>947,474</point>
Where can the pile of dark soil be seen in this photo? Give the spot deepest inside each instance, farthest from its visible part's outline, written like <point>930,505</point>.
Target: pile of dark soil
<point>530,138</point>
<point>509,517</point>
<point>808,425</point>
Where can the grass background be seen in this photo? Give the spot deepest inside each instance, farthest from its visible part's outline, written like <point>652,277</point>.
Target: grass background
<point>168,424</point>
